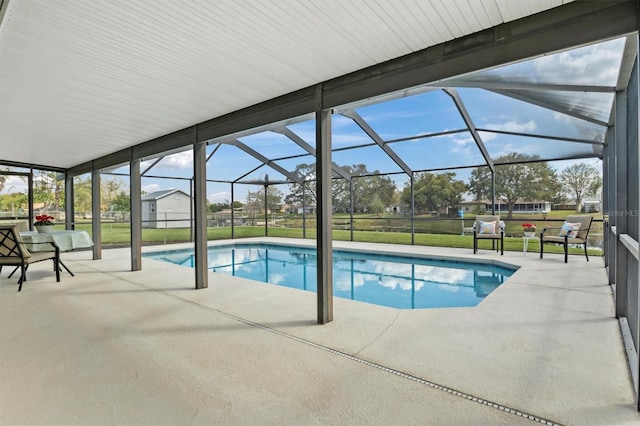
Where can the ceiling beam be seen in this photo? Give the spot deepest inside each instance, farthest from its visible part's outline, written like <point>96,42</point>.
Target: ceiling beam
<point>503,85</point>
<point>214,151</point>
<point>626,68</point>
<point>156,161</point>
<point>244,175</point>
<point>529,135</point>
<point>304,145</point>
<point>549,106</point>
<point>21,165</point>
<point>357,118</point>
<point>275,166</point>
<point>472,128</point>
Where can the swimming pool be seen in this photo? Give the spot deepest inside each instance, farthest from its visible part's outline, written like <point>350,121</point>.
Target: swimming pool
<point>394,281</point>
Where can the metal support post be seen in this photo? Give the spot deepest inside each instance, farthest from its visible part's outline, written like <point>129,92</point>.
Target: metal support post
<point>191,219</point>
<point>621,205</point>
<point>266,217</point>
<point>413,210</point>
<point>351,207</point>
<point>96,223</point>
<point>493,192</point>
<point>304,210</point>
<point>324,213</point>
<point>69,213</point>
<point>200,212</point>
<point>233,216</point>
<point>135,207</point>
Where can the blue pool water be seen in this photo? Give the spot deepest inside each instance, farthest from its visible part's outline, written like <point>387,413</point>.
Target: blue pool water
<point>394,281</point>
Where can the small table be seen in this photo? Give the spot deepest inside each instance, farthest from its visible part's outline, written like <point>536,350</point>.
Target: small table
<point>65,240</point>
<point>525,244</point>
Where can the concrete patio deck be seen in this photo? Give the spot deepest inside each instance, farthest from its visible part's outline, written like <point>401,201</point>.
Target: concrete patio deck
<point>110,346</point>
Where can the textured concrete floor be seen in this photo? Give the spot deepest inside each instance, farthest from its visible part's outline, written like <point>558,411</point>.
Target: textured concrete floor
<point>110,346</point>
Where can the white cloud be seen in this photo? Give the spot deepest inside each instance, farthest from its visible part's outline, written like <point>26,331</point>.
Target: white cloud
<point>344,280</point>
<point>487,137</point>
<point>219,197</point>
<point>507,148</point>
<point>340,121</point>
<point>412,112</point>
<point>463,146</point>
<point>153,187</point>
<point>181,160</point>
<point>595,64</point>
<point>350,139</point>
<point>442,275</point>
<point>276,279</point>
<point>14,184</point>
<point>513,126</point>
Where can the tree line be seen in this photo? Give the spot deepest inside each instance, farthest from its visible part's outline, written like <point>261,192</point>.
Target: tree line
<point>519,177</point>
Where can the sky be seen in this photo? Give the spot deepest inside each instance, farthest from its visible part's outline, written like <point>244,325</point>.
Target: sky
<point>409,118</point>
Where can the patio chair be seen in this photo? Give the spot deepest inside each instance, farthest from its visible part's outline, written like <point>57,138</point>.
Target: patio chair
<point>488,228</point>
<point>466,229</point>
<point>13,252</point>
<point>574,231</point>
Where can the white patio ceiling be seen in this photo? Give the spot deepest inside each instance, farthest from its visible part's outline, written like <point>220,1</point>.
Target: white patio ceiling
<point>80,79</point>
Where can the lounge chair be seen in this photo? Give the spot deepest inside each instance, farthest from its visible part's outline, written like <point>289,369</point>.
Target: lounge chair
<point>488,228</point>
<point>13,252</point>
<point>574,231</point>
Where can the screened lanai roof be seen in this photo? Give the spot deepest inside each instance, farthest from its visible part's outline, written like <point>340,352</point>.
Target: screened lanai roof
<point>81,80</point>
<point>554,107</point>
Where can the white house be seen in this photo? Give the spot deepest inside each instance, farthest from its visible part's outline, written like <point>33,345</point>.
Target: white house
<point>297,208</point>
<point>538,206</point>
<point>166,209</point>
<point>394,208</point>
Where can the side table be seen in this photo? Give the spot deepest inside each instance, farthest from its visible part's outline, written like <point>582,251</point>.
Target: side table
<point>525,244</point>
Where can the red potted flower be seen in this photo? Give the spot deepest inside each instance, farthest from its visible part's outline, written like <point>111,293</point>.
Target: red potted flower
<point>44,223</point>
<point>529,229</point>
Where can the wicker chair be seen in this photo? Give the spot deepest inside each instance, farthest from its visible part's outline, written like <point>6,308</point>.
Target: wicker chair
<point>555,236</point>
<point>481,234</point>
<point>13,252</point>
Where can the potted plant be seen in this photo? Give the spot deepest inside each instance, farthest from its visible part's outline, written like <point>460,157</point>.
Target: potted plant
<point>529,229</point>
<point>44,223</point>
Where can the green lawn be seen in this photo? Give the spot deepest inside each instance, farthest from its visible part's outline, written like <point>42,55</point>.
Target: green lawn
<point>436,225</point>
<point>119,234</point>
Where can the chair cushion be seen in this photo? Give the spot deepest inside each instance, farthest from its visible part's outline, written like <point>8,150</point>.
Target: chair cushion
<point>487,227</point>
<point>570,229</point>
<point>488,236</point>
<point>40,255</point>
<point>560,240</point>
<point>12,260</point>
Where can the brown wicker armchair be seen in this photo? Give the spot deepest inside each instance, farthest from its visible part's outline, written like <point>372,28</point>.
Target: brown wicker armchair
<point>556,236</point>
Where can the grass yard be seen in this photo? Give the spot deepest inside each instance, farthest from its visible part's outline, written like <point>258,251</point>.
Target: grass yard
<point>119,234</point>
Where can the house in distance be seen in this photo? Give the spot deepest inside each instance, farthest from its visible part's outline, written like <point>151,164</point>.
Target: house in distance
<point>166,209</point>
